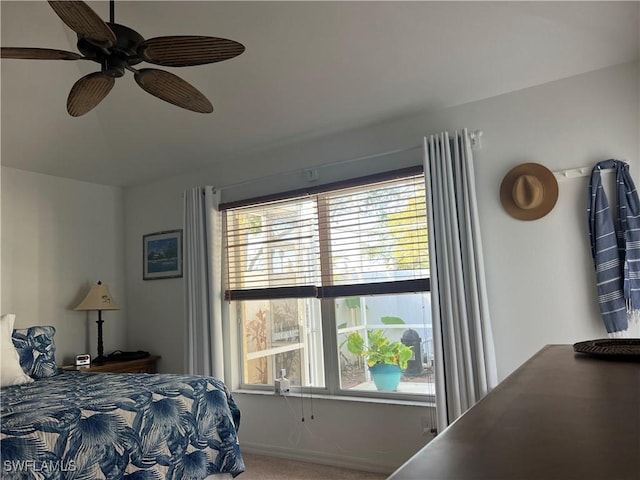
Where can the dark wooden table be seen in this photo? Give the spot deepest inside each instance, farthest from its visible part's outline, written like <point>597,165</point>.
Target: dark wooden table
<point>560,416</point>
<point>141,365</point>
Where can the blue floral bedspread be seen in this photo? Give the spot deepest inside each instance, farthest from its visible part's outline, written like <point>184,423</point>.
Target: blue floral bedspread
<point>77,426</point>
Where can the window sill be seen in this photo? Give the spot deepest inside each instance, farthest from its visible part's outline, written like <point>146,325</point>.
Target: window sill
<point>406,388</point>
<point>344,398</point>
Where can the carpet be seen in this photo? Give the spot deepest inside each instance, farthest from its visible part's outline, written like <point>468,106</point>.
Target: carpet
<point>262,467</point>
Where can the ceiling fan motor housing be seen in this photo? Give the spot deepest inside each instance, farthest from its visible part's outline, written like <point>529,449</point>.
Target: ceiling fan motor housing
<point>116,58</point>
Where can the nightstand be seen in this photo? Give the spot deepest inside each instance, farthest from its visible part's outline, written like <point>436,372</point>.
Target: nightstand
<point>142,365</point>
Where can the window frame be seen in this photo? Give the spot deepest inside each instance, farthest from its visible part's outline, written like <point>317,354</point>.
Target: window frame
<point>326,295</point>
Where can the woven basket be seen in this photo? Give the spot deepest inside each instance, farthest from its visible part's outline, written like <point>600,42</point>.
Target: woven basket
<point>626,348</point>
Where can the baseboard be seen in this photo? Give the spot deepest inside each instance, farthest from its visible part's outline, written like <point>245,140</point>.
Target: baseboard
<point>335,460</point>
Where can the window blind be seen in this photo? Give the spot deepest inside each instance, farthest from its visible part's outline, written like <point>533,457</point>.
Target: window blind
<point>360,240</point>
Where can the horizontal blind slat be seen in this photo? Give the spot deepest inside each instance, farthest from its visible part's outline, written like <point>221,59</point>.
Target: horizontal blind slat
<point>375,234</point>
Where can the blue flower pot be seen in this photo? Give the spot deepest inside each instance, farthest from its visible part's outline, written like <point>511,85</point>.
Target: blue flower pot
<point>386,376</point>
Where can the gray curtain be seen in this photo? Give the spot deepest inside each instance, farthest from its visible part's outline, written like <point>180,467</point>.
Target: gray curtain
<point>463,341</point>
<point>203,283</point>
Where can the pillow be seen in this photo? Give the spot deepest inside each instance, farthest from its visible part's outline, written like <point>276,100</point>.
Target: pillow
<point>11,372</point>
<point>36,350</point>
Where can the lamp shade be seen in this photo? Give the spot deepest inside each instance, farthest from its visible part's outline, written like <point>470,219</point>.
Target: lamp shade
<point>98,298</point>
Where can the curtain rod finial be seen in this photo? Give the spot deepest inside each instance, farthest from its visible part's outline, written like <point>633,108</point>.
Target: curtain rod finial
<point>476,137</point>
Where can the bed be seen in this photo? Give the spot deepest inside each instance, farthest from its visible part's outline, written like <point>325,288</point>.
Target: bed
<point>89,425</point>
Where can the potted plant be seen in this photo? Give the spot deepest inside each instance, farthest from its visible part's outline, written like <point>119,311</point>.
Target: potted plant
<point>385,359</point>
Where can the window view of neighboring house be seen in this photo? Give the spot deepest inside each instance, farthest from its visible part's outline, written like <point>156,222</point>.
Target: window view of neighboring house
<point>305,272</point>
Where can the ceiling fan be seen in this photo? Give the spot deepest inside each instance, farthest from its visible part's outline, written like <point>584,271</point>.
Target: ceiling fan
<point>118,48</point>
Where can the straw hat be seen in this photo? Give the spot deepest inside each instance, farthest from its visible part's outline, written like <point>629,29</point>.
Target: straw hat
<point>529,191</point>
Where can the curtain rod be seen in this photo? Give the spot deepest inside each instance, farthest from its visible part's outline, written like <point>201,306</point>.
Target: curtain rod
<point>312,172</point>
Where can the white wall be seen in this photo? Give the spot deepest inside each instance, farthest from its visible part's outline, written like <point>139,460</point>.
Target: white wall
<point>1,310</point>
<point>539,274</point>
<point>365,436</point>
<point>59,236</point>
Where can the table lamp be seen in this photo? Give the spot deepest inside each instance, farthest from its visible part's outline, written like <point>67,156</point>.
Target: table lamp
<point>99,298</point>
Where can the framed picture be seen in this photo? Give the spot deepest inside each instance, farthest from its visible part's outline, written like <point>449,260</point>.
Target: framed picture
<point>162,255</point>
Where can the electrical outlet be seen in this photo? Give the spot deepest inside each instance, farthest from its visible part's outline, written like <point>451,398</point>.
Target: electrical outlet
<point>281,386</point>
<point>284,386</point>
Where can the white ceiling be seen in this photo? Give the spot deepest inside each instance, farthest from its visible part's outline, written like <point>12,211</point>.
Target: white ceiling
<point>310,68</point>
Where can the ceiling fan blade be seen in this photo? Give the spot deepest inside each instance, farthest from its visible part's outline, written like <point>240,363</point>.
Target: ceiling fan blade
<point>171,88</point>
<point>184,51</point>
<point>88,92</point>
<point>80,18</point>
<point>38,54</point>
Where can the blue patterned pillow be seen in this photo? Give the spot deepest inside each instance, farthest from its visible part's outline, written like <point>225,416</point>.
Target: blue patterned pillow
<point>36,350</point>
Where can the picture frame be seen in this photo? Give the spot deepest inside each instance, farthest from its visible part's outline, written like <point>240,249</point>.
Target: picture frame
<point>162,255</point>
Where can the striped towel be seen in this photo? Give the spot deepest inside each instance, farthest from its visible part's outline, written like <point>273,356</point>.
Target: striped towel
<point>615,248</point>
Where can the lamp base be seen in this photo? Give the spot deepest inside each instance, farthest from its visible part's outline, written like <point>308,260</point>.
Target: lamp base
<point>100,359</point>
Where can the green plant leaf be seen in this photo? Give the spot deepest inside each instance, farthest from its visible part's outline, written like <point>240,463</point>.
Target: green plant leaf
<point>355,344</point>
<point>353,302</point>
<point>379,349</point>
<point>393,321</point>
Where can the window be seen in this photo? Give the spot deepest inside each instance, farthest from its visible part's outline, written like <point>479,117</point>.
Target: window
<point>306,271</point>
